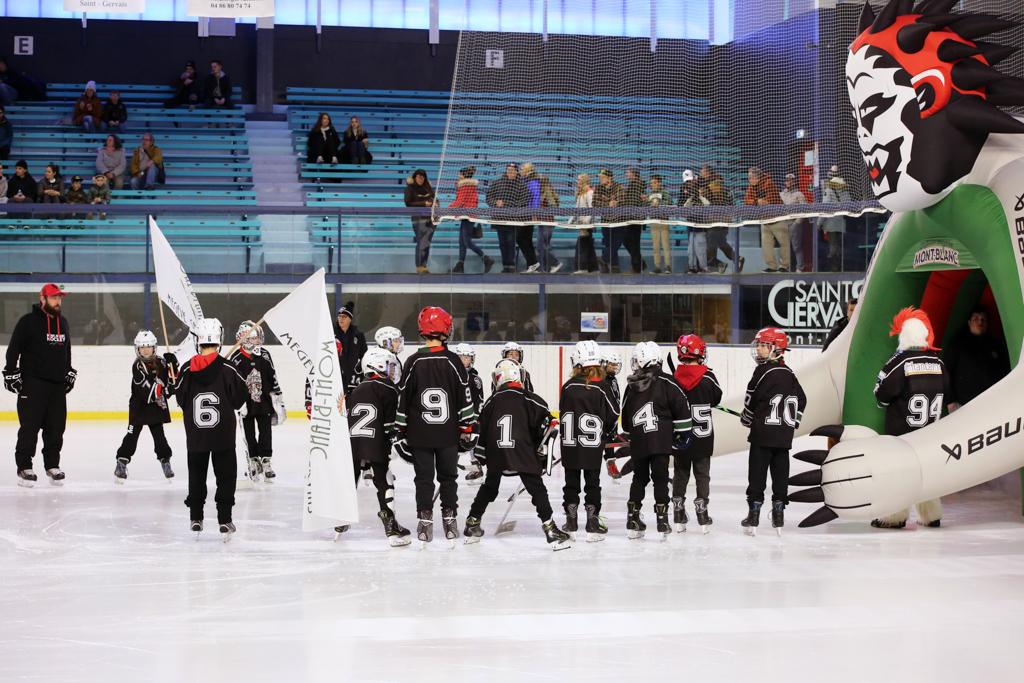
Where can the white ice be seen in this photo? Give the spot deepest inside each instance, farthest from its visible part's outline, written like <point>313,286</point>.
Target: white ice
<point>104,583</point>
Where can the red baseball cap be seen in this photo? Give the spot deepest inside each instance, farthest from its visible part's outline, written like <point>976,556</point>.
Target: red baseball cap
<point>51,289</point>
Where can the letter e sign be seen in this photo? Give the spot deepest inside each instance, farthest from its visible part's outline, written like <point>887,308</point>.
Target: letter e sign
<point>494,59</point>
<point>23,45</point>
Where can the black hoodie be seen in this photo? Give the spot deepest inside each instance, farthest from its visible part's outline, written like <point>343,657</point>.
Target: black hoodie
<point>209,391</point>
<point>40,346</point>
<point>27,184</point>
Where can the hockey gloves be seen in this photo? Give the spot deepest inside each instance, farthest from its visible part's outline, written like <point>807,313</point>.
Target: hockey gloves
<point>683,441</point>
<point>172,363</point>
<point>467,442</point>
<point>403,451</point>
<point>69,380</point>
<point>280,412</point>
<point>12,381</point>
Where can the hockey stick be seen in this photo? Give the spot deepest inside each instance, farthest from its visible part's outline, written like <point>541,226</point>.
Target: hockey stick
<point>728,410</point>
<point>167,343</point>
<point>506,525</point>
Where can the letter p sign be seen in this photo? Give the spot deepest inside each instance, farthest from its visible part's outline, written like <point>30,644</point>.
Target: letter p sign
<point>494,59</point>
<point>23,45</point>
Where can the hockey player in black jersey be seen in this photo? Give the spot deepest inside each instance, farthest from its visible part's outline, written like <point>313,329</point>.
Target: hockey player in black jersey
<point>703,393</point>
<point>265,405</point>
<point>772,409</point>
<point>513,422</point>
<point>467,354</point>
<point>611,363</point>
<point>513,351</point>
<point>588,419</point>
<point>372,405</point>
<point>913,387</point>
<point>435,417</point>
<point>209,391</point>
<point>656,416</point>
<point>152,385</point>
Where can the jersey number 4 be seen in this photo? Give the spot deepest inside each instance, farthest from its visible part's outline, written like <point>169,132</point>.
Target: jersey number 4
<point>646,418</point>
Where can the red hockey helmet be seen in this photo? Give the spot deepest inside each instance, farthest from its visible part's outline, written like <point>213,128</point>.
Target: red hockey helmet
<point>772,337</point>
<point>691,347</point>
<point>435,323</point>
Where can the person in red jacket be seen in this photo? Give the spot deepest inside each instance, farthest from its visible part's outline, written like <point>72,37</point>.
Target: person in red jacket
<point>467,197</point>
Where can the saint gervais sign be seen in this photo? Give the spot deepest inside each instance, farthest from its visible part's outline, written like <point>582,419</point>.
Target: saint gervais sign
<point>806,309</point>
<point>116,6</point>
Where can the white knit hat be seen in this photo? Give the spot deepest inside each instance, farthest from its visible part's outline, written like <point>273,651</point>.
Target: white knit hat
<point>91,85</point>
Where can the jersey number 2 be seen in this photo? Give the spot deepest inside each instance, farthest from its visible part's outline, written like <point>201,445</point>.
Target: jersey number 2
<point>365,413</point>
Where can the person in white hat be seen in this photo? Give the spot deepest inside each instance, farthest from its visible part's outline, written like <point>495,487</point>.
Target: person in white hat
<point>89,109</point>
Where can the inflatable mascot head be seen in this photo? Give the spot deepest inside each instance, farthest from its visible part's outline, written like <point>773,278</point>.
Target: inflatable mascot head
<point>925,96</point>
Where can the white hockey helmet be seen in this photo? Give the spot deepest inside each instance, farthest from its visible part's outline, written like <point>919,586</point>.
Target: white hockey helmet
<point>209,332</point>
<point>249,336</point>
<point>143,339</point>
<point>464,349</point>
<point>389,338</point>
<point>585,354</point>
<point>506,371</point>
<point>645,355</point>
<point>377,361</point>
<point>511,346</point>
<point>609,358</point>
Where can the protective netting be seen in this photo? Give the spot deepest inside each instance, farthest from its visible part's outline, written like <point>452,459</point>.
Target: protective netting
<point>625,111</point>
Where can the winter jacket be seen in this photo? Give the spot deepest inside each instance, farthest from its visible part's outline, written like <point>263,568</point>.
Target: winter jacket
<point>633,195</point>
<point>87,106</point>
<point>717,193</point>
<point>660,197</point>
<point>26,185</point>
<point>834,193</point>
<point>139,157</point>
<point>511,191</point>
<point>585,201</point>
<point>79,196</point>
<point>354,146</point>
<point>792,196</point>
<point>418,195</point>
<point>533,200</point>
<point>836,330</point>
<point>763,189</point>
<point>55,184</point>
<point>353,346</point>
<point>115,112</point>
<point>466,194</point>
<point>605,194</point>
<point>96,192</point>
<point>210,85</point>
<point>111,162</point>
<point>3,189</point>
<point>975,363</point>
<point>323,144</point>
<point>6,133</point>
<point>40,346</point>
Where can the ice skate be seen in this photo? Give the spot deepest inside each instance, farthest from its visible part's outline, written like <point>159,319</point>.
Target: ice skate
<point>700,506</point>
<point>474,474</point>
<point>679,518</point>
<point>752,519</point>
<point>571,521</point>
<point>268,471</point>
<point>339,530</point>
<point>166,466</point>
<point>121,470</point>
<point>473,532</point>
<point>196,527</point>
<point>635,526</point>
<point>887,524</point>
<point>558,539</point>
<point>778,516</point>
<point>27,478</point>
<point>596,528</point>
<point>661,518</point>
<point>425,527</point>
<point>397,534</point>
<point>56,476</point>
<point>450,525</point>
<point>227,531</point>
<point>255,469</point>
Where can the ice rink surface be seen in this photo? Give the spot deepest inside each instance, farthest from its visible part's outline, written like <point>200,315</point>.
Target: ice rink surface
<point>105,583</point>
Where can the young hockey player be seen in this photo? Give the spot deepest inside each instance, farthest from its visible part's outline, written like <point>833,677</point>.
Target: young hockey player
<point>913,387</point>
<point>513,423</point>
<point>435,417</point>
<point>209,391</point>
<point>513,351</point>
<point>588,419</point>
<point>702,391</point>
<point>371,425</point>
<point>656,415</point>
<point>151,387</point>
<point>772,408</point>
<point>611,362</point>
<point>390,339</point>
<point>265,405</point>
<point>466,353</point>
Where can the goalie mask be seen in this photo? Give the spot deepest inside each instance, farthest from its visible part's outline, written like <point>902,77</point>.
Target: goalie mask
<point>925,98</point>
<point>249,336</point>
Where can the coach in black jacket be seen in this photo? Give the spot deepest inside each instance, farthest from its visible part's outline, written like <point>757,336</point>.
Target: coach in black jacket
<point>39,370</point>
<point>353,346</point>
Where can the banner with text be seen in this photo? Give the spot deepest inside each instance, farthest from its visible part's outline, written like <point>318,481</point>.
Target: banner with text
<point>231,8</point>
<point>104,6</point>
<point>174,288</point>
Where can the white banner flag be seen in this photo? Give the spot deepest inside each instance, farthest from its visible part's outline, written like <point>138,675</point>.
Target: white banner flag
<point>104,6</point>
<point>302,322</point>
<point>172,283</point>
<point>231,8</point>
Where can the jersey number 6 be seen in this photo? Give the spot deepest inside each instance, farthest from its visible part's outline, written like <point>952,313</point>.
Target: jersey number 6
<point>204,410</point>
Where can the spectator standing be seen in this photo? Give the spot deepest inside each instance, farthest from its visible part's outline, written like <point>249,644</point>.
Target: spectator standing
<point>88,109</point>
<point>111,161</point>
<point>712,188</point>
<point>586,256</point>
<point>186,88</point>
<point>507,192</point>
<point>22,188</point>
<point>322,144</point>
<point>549,263</point>
<point>761,191</point>
<point>147,164</point>
<point>217,87</point>
<point>467,197</point>
<point>607,194</point>
<point>420,194</point>
<point>975,360</point>
<point>689,195</point>
<point>3,184</point>
<point>840,325</point>
<point>115,114</point>
<point>356,145</point>
<point>633,195</point>
<point>791,195</point>
<point>6,135</point>
<point>833,227</point>
<point>51,187</point>
<point>660,238</point>
<point>524,233</point>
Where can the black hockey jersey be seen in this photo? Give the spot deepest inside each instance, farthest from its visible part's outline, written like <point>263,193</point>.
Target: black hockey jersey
<point>524,375</point>
<point>476,389</point>
<point>151,388</point>
<point>588,418</point>
<point>257,370</point>
<point>703,393</point>
<point>913,387</point>
<point>655,412</point>
<point>434,402</point>
<point>774,405</point>
<point>209,391</point>
<point>372,405</point>
<point>512,424</point>
<point>611,385</point>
